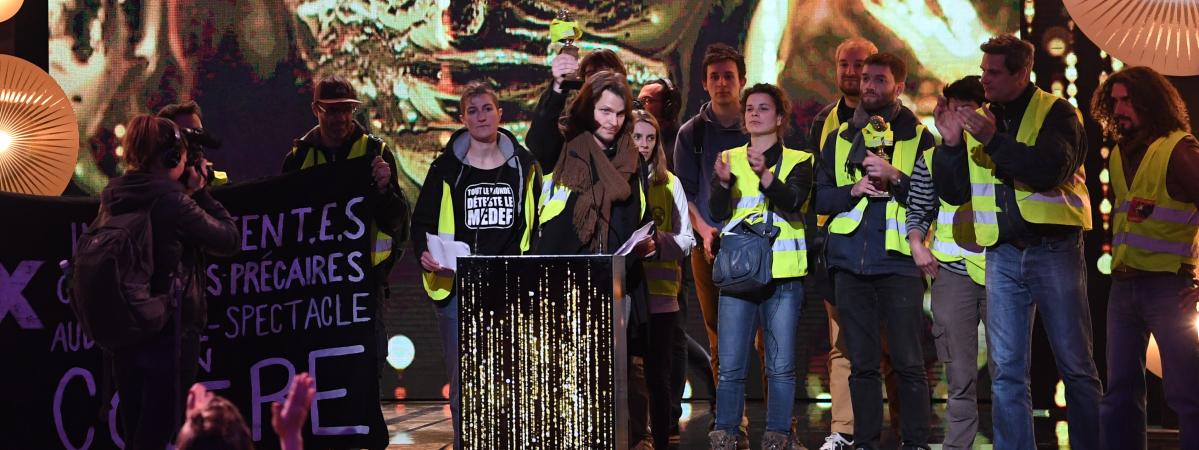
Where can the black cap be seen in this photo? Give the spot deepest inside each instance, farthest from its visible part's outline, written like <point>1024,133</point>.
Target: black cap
<point>334,89</point>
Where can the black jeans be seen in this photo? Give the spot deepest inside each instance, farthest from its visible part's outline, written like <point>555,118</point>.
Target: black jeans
<point>152,405</point>
<point>868,304</point>
<point>653,345</point>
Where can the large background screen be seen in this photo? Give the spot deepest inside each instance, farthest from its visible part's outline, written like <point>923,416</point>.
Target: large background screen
<point>249,65</point>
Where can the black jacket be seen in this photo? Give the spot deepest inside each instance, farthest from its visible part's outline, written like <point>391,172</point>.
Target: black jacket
<point>1059,151</point>
<point>185,229</point>
<point>449,168</point>
<point>544,138</point>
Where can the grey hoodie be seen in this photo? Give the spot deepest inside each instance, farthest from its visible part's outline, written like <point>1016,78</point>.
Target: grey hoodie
<point>695,171</point>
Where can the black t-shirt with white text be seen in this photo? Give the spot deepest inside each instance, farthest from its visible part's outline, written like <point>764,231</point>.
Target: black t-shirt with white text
<point>487,210</point>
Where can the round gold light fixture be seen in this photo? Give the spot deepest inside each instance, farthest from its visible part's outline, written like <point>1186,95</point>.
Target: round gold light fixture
<point>1161,34</point>
<point>39,137</point>
<point>9,8</point>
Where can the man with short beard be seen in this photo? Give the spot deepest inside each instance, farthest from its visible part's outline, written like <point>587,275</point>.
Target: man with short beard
<point>850,56</point>
<point>1154,253</point>
<point>864,183</point>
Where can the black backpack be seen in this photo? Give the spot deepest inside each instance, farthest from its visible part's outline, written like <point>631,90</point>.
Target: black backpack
<point>110,273</point>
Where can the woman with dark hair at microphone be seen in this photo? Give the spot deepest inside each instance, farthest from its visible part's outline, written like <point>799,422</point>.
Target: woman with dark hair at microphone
<point>482,190</point>
<point>594,198</point>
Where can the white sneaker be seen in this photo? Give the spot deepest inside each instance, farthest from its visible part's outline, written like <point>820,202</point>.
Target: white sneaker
<point>836,441</point>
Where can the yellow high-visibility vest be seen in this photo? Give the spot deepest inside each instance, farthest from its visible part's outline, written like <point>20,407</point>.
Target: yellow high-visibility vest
<point>790,250</point>
<point>554,196</point>
<point>904,159</point>
<point>365,145</point>
<point>1165,239</point>
<point>832,123</point>
<point>945,236</point>
<point>664,277</point>
<point>1068,204</point>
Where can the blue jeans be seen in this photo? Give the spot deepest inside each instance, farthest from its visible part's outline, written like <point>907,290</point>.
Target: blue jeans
<point>1049,276</point>
<point>1165,306</point>
<point>447,320</point>
<point>778,311</point>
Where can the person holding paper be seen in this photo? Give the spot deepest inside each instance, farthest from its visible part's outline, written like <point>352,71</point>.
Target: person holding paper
<point>480,192</point>
<point>750,182</point>
<point>664,277</point>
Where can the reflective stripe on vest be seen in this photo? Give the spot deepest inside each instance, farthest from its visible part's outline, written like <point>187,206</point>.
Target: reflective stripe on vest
<point>946,236</point>
<point>790,257</point>
<point>663,277</point>
<point>526,238</point>
<point>553,199</point>
<point>904,159</point>
<point>437,286</point>
<point>554,196</point>
<point>1165,239</point>
<point>381,248</point>
<point>1068,204</point>
<point>832,123</point>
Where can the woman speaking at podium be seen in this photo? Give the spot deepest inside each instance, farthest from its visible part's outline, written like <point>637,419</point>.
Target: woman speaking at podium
<point>594,197</point>
<point>481,191</point>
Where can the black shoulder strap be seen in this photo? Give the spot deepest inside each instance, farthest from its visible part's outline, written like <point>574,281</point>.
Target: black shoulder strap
<point>697,134</point>
<point>778,166</point>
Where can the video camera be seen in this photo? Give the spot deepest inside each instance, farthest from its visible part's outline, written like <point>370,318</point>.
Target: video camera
<point>197,141</point>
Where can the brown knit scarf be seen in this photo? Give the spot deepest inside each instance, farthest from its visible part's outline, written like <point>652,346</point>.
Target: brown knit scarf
<point>595,195</point>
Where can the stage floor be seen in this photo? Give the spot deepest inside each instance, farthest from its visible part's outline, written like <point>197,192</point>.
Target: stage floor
<point>426,425</point>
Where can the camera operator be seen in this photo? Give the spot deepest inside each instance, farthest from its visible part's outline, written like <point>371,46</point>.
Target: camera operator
<point>188,117</point>
<point>153,375</point>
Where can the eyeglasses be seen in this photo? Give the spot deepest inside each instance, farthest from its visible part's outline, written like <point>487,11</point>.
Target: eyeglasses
<point>337,108</point>
<point>647,100</point>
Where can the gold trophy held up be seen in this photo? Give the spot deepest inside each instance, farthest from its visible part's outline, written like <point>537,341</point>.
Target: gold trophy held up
<point>564,30</point>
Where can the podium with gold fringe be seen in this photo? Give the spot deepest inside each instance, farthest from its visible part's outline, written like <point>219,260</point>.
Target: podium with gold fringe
<point>543,352</point>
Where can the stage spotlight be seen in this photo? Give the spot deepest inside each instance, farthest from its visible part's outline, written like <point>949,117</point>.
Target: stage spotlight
<point>39,136</point>
<point>400,352</point>
<point>9,8</point>
<point>5,141</point>
<point>1153,357</point>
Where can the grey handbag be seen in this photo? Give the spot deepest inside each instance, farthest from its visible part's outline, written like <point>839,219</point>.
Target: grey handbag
<point>743,264</point>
